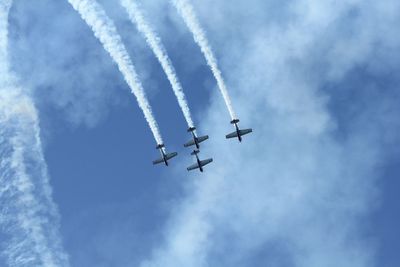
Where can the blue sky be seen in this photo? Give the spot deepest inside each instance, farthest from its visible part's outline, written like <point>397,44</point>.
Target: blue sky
<point>316,184</point>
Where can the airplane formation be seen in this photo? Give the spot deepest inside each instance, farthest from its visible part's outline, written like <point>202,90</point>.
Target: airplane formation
<point>196,140</point>
<point>106,32</point>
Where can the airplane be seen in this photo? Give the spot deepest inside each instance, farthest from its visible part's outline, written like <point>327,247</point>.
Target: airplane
<point>196,140</point>
<point>200,163</point>
<point>164,156</point>
<point>238,133</point>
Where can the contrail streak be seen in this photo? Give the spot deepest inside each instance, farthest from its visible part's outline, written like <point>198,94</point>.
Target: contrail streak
<point>186,11</point>
<point>105,30</point>
<point>29,218</point>
<point>154,41</point>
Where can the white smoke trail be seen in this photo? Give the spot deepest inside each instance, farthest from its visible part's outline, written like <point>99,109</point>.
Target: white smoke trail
<point>4,9</point>
<point>28,215</point>
<point>29,218</point>
<point>185,9</point>
<point>136,16</point>
<point>105,30</point>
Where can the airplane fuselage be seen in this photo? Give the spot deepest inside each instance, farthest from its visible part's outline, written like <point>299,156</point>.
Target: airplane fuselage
<point>199,163</point>
<point>164,157</point>
<point>196,141</point>
<point>238,133</point>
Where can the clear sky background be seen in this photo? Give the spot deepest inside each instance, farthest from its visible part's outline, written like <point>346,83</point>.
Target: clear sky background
<point>315,184</point>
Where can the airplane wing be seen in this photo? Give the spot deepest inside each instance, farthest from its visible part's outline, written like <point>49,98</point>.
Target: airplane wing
<point>202,138</point>
<point>241,133</point>
<point>170,155</point>
<point>232,135</point>
<point>199,140</point>
<point>190,143</point>
<point>193,167</point>
<point>158,161</point>
<point>167,157</point>
<point>205,162</point>
<point>245,131</point>
<point>202,164</point>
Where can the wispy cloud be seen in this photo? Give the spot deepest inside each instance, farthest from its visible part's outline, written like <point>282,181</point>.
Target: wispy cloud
<point>28,216</point>
<point>294,193</point>
<point>297,191</point>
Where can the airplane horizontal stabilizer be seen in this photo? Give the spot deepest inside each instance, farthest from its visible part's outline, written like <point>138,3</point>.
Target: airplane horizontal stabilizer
<point>195,152</point>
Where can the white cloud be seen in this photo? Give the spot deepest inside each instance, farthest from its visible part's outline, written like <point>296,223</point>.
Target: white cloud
<point>292,187</point>
<point>28,216</point>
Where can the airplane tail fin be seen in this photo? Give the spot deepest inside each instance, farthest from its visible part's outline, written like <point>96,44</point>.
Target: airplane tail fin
<point>234,121</point>
<point>191,129</point>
